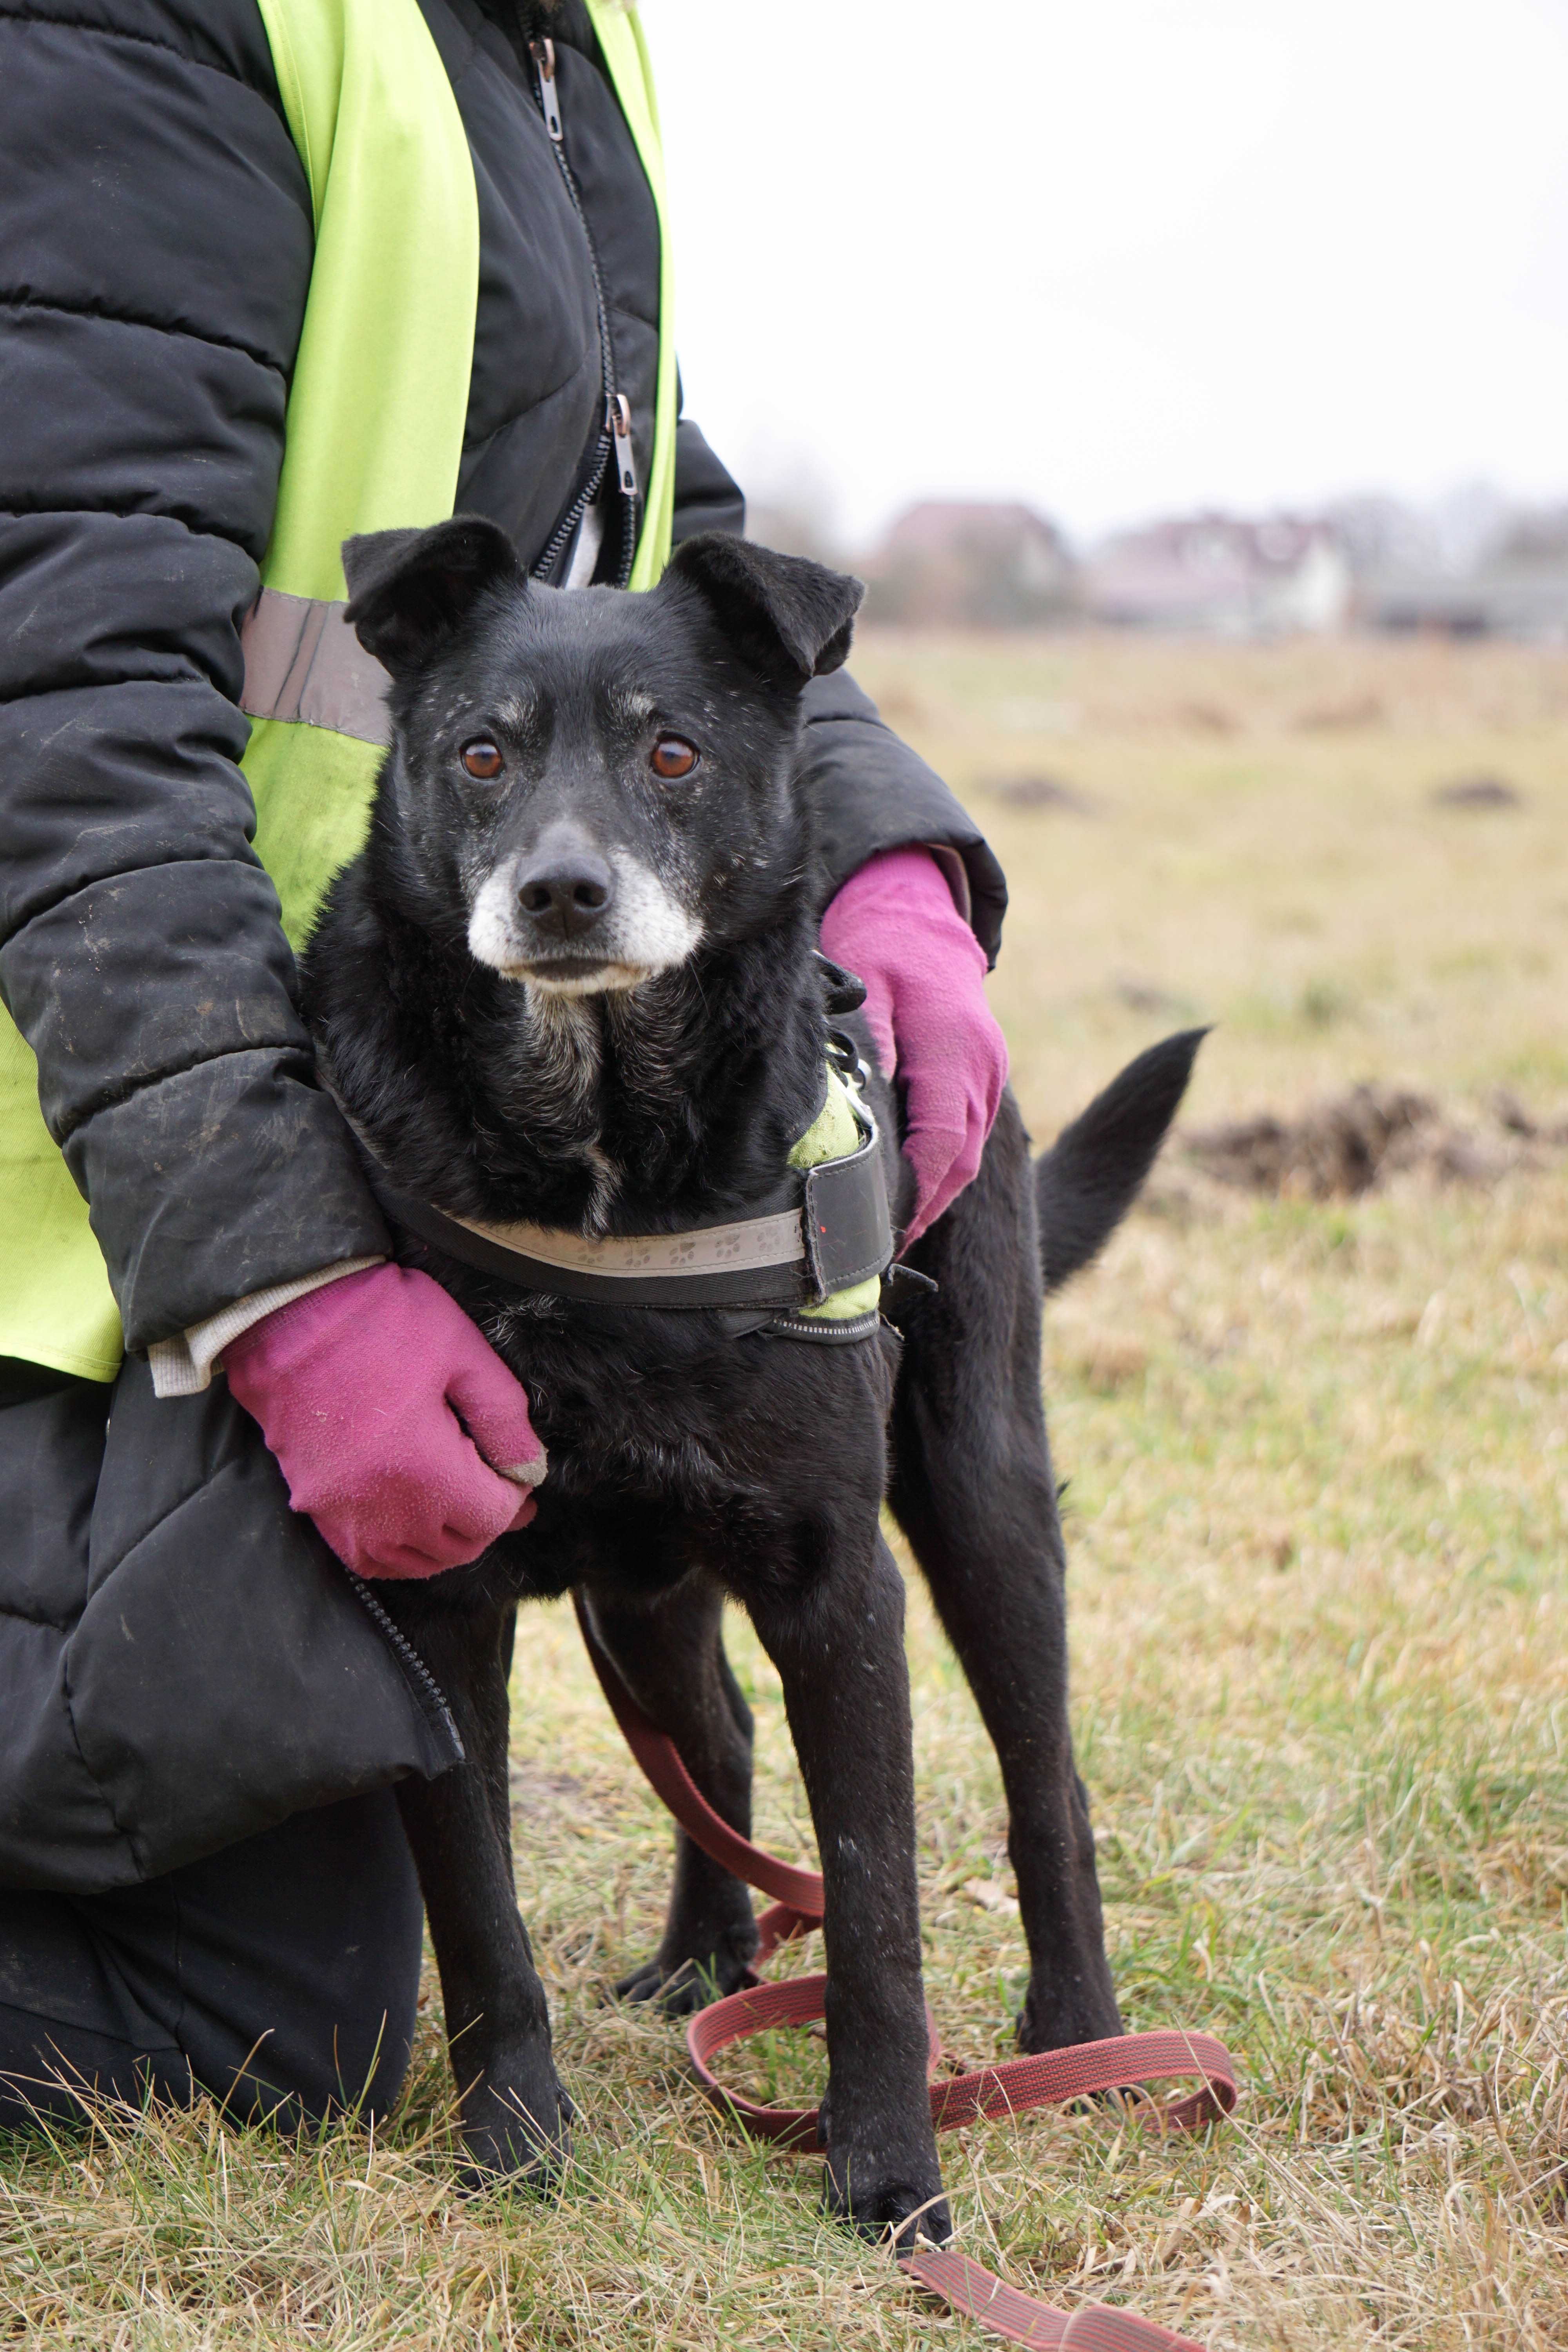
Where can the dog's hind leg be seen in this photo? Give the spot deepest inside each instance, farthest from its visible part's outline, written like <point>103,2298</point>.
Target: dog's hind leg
<point>670,1655</point>
<point>973,1490</point>
<point>513,2108</point>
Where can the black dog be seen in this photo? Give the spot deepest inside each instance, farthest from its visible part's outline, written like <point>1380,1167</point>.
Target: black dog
<point>569,986</point>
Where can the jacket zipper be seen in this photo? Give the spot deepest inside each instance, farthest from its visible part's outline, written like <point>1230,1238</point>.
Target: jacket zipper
<point>614,440</point>
<point>412,1663</point>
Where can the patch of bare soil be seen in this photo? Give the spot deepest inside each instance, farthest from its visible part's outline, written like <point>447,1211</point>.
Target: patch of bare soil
<point>1354,711</point>
<point>1476,793</point>
<point>1038,792</point>
<point>1207,719</point>
<point>1147,997</point>
<point>1350,1143</point>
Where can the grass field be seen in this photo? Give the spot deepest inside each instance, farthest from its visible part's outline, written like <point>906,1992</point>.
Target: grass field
<point>1318,1456</point>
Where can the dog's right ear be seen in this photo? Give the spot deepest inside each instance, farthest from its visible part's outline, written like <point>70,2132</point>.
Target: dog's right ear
<point>409,590</point>
<point>790,618</point>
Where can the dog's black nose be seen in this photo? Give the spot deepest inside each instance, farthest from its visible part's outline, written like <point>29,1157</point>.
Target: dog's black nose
<point>565,894</point>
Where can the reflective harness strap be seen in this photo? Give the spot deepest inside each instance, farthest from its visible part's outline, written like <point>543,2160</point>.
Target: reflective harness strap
<point>836,1233</point>
<point>812,1251</point>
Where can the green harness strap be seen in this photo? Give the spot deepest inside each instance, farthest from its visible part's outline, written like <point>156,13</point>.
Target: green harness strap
<point>374,440</point>
<point>834,1134</point>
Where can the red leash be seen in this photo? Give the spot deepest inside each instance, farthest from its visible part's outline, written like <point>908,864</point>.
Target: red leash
<point>1007,2089</point>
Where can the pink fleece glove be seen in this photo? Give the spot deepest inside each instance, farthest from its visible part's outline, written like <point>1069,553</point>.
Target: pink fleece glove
<point>385,1407</point>
<point>896,925</point>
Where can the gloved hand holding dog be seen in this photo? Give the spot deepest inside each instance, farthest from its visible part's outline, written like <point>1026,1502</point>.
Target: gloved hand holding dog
<point>387,1409</point>
<point>894,923</point>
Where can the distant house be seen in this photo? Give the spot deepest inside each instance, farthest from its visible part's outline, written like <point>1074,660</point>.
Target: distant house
<point>1222,576</point>
<point>948,564</point>
<point>1517,588</point>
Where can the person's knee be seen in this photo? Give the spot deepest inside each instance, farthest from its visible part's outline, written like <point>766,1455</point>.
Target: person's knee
<point>297,1973</point>
<point>55,2074</point>
<point>350,2065</point>
<point>54,2077</point>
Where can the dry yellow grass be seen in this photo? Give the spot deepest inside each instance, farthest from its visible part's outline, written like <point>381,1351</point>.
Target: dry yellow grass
<point>1316,1458</point>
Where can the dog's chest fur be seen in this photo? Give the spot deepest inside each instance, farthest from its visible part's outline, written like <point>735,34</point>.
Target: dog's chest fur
<point>605,1114</point>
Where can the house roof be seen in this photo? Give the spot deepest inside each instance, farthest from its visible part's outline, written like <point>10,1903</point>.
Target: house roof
<point>936,525</point>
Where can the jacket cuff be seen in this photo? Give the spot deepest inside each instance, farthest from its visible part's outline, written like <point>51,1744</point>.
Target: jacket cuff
<point>217,1182</point>
<point>183,1366</point>
<point>955,874</point>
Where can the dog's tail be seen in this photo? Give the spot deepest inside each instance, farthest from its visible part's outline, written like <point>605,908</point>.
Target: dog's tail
<point>1087,1182</point>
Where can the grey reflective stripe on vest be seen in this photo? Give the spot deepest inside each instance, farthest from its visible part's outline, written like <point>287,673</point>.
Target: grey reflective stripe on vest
<point>303,662</point>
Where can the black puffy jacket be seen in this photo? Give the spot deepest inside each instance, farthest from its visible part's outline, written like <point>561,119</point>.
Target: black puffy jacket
<point>155,251</point>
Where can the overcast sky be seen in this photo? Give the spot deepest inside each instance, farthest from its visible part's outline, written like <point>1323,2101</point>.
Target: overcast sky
<point>1122,256</point>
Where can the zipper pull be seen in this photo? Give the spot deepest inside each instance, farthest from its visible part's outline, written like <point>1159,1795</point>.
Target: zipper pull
<point>620,423</point>
<point>543,55</point>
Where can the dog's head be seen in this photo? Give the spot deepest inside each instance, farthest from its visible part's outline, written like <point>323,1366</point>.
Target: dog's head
<point>595,783</point>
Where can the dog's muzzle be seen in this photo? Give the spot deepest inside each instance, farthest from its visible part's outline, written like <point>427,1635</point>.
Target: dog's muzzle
<point>572,919</point>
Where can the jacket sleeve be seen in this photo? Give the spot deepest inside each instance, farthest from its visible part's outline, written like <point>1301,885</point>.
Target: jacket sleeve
<point>157,237</point>
<point>871,791</point>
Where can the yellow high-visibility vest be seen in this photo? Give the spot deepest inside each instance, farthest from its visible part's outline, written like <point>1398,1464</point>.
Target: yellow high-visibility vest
<point>373,438</point>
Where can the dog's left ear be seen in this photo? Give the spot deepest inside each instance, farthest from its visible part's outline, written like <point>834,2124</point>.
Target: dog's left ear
<point>409,590</point>
<point>794,618</point>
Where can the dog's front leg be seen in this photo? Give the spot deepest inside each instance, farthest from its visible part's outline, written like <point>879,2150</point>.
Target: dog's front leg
<point>839,1649</point>
<point>513,2108</point>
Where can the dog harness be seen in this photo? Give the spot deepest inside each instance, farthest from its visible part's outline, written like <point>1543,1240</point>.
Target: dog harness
<point>806,1264</point>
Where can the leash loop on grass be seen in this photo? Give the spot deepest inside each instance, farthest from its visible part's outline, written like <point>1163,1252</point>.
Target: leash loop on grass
<point>1124,2063</point>
<point>1048,2078</point>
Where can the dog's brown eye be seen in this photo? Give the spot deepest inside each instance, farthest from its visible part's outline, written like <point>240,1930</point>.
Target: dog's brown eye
<point>672,757</point>
<point>482,760</point>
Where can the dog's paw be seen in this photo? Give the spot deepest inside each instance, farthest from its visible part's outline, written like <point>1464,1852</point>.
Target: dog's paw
<point>516,2135</point>
<point>682,1985</point>
<point>882,2197</point>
